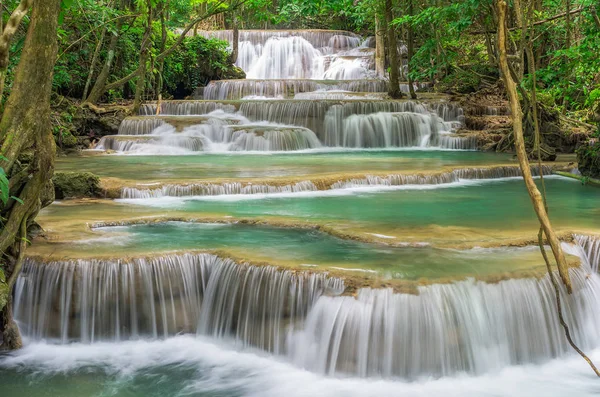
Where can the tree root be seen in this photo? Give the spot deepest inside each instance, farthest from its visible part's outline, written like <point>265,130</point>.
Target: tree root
<point>559,305</point>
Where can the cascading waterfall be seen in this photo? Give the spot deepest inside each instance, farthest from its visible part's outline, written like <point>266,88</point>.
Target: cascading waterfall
<point>235,188</point>
<point>331,120</point>
<point>287,89</point>
<point>95,300</point>
<point>205,189</point>
<point>590,247</point>
<point>297,54</point>
<point>443,178</point>
<point>146,125</point>
<point>139,125</point>
<point>465,326</point>
<point>184,108</point>
<point>214,137</point>
<point>286,58</point>
<point>337,39</point>
<point>384,130</point>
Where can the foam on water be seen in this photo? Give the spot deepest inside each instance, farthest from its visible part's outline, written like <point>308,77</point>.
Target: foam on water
<point>304,190</point>
<point>205,367</point>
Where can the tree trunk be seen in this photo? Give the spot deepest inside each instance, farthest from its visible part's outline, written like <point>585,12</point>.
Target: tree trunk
<point>144,54</point>
<point>7,34</point>
<point>517,115</point>
<point>411,49</point>
<point>568,24</point>
<point>93,65</point>
<point>163,45</point>
<point>25,127</point>
<point>379,47</point>
<point>394,84</point>
<point>100,85</point>
<point>236,39</point>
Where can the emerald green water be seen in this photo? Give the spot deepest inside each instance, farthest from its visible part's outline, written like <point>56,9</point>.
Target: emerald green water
<point>497,204</point>
<point>204,166</point>
<point>312,249</point>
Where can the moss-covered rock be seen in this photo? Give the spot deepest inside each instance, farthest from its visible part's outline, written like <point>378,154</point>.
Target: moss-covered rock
<point>588,157</point>
<point>76,185</point>
<point>4,291</point>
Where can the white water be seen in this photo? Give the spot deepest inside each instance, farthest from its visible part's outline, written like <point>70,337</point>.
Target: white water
<point>461,177</point>
<point>446,330</point>
<point>301,55</point>
<point>215,136</point>
<point>218,369</point>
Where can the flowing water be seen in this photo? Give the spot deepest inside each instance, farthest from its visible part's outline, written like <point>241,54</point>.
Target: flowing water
<point>242,165</point>
<point>297,233</point>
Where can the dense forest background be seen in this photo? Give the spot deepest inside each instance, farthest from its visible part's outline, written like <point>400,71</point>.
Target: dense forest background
<point>122,52</point>
<point>453,41</point>
<point>538,58</point>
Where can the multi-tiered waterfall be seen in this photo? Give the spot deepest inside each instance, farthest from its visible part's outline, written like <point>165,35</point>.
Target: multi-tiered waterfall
<point>173,313</point>
<point>305,90</point>
<point>466,326</point>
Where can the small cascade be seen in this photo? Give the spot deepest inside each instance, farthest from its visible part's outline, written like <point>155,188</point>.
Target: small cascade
<point>272,138</point>
<point>335,39</point>
<point>258,305</point>
<point>590,247</point>
<point>443,178</point>
<point>185,108</point>
<point>465,326</point>
<point>443,329</point>
<point>146,125</point>
<point>385,130</point>
<point>327,118</point>
<point>236,188</point>
<point>298,54</point>
<point>286,58</point>
<point>218,134</point>
<point>287,89</point>
<point>95,300</point>
<point>152,144</point>
<point>203,189</point>
<point>139,125</point>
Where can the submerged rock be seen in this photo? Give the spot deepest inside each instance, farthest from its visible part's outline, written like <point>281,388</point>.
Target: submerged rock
<point>76,185</point>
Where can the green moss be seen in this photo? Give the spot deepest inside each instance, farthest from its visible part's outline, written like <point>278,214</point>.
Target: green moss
<point>76,185</point>
<point>588,157</point>
<point>4,291</point>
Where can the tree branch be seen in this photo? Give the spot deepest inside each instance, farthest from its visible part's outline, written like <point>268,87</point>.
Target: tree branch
<point>543,21</point>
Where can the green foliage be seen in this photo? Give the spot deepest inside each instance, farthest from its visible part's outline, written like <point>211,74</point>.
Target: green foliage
<point>588,158</point>
<point>5,187</point>
<point>197,61</point>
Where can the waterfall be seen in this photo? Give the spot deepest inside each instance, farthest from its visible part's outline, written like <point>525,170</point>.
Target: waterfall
<point>216,135</point>
<point>234,188</point>
<point>208,189</point>
<point>94,300</point>
<point>184,108</point>
<point>139,125</point>
<point>465,326</point>
<point>442,178</point>
<point>286,58</point>
<point>166,141</point>
<point>590,247</point>
<point>301,54</point>
<point>336,39</point>
<point>325,118</point>
<point>146,125</point>
<point>384,130</point>
<point>287,89</point>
